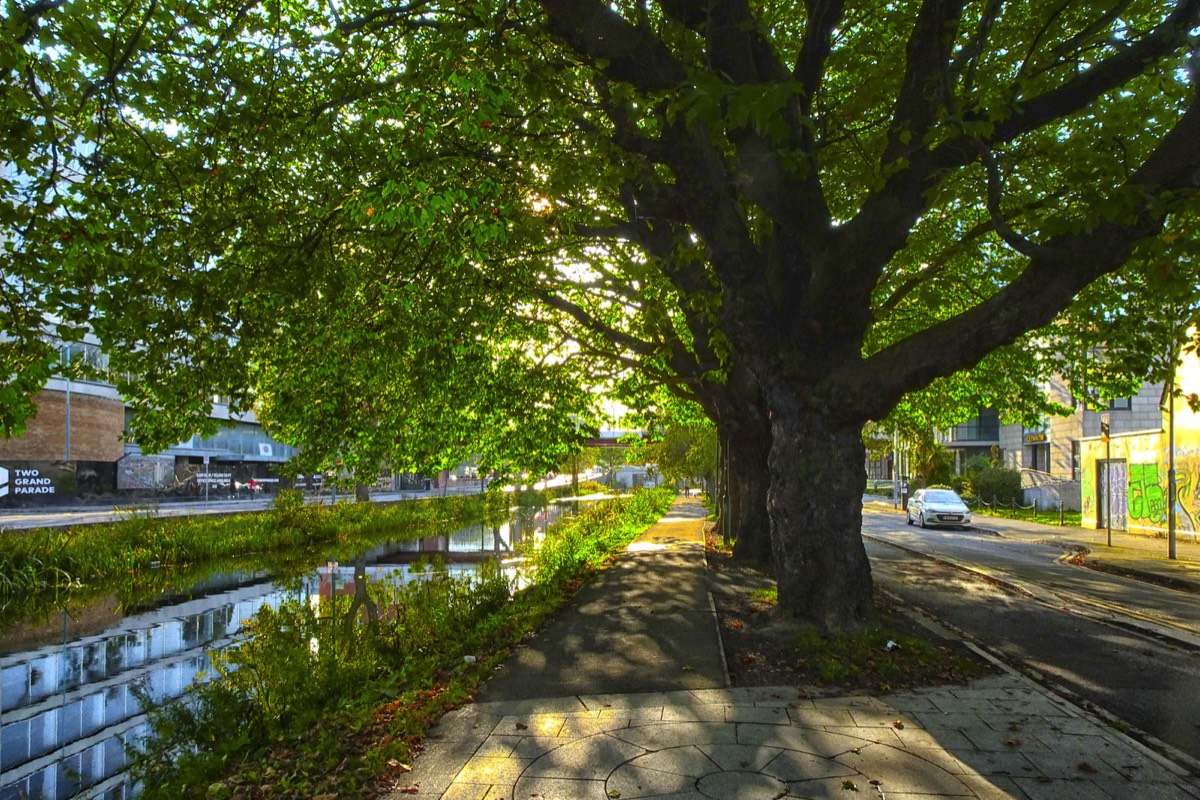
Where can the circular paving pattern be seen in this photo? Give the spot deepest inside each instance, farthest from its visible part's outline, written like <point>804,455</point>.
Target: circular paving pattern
<point>741,785</point>
<point>730,761</point>
<point>732,772</point>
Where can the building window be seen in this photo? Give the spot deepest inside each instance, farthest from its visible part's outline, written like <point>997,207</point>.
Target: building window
<point>1039,457</point>
<point>984,427</point>
<point>1120,404</point>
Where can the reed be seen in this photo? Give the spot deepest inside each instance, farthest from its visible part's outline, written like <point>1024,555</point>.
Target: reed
<point>53,562</point>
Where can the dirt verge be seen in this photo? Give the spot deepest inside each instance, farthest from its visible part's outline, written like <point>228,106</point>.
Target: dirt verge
<point>763,648</point>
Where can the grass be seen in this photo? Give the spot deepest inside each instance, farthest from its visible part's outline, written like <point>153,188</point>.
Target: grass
<point>1044,516</point>
<point>764,648</point>
<point>769,596</point>
<point>49,565</point>
<point>880,657</point>
<point>333,698</point>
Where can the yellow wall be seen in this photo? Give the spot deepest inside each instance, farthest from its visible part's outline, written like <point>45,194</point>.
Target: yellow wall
<point>1145,457</point>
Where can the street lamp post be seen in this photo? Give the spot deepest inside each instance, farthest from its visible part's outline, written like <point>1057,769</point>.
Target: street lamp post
<point>1171,469</point>
<point>67,409</point>
<point>1105,433</point>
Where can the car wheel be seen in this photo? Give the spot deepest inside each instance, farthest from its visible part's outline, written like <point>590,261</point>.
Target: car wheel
<point>921,519</point>
<point>908,518</point>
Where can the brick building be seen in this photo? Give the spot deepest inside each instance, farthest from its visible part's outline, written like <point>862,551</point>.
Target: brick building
<point>75,448</point>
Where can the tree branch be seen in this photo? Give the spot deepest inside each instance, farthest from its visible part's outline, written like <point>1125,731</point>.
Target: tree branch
<point>736,48</point>
<point>1077,93</point>
<point>26,18</point>
<point>823,18</point>
<point>630,54</point>
<point>968,58</point>
<point>389,14</point>
<point>921,91</point>
<point>999,223</point>
<point>880,228</point>
<point>583,317</point>
<point>1058,272</point>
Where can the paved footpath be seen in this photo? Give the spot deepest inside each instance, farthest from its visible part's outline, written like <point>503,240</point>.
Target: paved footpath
<point>625,696</point>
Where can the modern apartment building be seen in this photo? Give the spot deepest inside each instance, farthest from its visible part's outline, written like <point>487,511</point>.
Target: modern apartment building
<point>76,447</point>
<point>1049,456</point>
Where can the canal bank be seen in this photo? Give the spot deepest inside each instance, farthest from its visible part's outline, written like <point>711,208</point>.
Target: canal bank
<point>642,727</point>
<point>69,687</point>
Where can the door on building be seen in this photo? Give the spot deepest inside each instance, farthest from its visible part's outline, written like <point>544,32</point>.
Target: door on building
<point>1114,473</point>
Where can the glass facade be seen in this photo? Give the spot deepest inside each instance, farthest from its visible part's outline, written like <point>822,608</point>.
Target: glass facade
<point>983,428</point>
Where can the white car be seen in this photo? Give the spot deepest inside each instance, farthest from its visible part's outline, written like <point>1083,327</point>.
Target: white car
<point>930,507</point>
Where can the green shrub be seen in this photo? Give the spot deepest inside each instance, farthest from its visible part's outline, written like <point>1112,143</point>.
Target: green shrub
<point>997,484</point>
<point>291,705</point>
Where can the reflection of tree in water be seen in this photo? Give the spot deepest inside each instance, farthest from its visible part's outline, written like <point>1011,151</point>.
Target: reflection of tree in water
<point>525,522</point>
<point>361,599</point>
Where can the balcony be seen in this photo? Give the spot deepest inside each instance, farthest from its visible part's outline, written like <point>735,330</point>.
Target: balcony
<point>983,429</point>
<point>974,432</point>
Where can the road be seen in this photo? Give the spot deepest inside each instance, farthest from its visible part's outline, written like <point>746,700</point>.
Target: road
<point>53,517</point>
<point>1128,647</point>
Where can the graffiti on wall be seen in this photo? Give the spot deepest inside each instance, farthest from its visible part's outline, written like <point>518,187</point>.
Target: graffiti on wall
<point>1187,489</point>
<point>1147,500</point>
<point>1146,493</point>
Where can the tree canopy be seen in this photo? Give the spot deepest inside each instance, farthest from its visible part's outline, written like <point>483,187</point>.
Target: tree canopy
<point>797,213</point>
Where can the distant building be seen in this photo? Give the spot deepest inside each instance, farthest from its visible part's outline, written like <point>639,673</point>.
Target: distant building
<point>76,448</point>
<point>1057,458</point>
<point>1135,463</point>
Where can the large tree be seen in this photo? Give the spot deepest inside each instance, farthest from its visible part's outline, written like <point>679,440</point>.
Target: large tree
<point>802,211</point>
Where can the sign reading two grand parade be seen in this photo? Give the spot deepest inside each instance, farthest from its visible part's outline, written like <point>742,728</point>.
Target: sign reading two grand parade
<point>24,483</point>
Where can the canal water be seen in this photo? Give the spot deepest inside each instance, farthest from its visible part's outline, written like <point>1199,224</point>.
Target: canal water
<point>68,690</point>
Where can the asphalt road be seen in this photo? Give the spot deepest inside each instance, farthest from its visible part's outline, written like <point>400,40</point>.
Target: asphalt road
<point>1127,647</point>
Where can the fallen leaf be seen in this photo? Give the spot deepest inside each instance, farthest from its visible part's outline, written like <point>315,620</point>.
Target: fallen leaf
<point>1012,741</point>
<point>399,767</point>
<point>521,726</point>
<point>613,793</point>
<point>848,786</point>
<point>875,781</point>
<point>1044,779</point>
<point>898,725</point>
<point>688,668</point>
<point>410,790</point>
<point>1084,766</point>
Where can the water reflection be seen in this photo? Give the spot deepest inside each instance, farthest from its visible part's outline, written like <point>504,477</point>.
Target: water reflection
<point>67,710</point>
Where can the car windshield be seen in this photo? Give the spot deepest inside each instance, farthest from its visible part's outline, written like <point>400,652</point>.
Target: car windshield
<point>942,496</point>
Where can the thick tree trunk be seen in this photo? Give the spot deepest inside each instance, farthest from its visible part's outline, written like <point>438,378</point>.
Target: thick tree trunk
<point>723,498</point>
<point>749,446</point>
<point>815,502</point>
<point>740,412</point>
